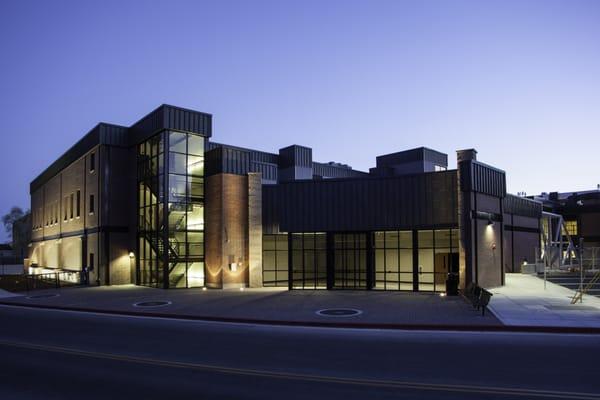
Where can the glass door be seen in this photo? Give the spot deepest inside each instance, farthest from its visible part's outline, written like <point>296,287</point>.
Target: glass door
<point>350,261</point>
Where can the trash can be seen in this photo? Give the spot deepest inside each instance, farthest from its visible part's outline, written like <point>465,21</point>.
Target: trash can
<point>452,284</point>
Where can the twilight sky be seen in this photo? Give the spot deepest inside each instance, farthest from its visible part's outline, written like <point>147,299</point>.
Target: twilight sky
<point>517,80</point>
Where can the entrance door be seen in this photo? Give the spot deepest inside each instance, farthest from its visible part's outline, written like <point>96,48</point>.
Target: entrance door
<point>441,269</point>
<point>350,261</point>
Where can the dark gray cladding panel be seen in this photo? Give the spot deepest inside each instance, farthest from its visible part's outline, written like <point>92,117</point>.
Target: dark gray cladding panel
<point>413,155</point>
<point>482,178</point>
<point>103,133</point>
<point>522,206</point>
<point>402,202</point>
<point>227,160</point>
<point>170,117</point>
<point>332,170</point>
<point>295,156</point>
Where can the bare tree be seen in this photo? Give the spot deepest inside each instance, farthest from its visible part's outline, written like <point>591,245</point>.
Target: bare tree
<point>9,219</point>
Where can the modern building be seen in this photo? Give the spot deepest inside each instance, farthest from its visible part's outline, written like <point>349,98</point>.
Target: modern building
<point>160,204</point>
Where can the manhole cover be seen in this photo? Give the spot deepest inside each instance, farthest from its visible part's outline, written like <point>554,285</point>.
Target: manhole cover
<point>43,296</point>
<point>339,312</point>
<point>152,303</point>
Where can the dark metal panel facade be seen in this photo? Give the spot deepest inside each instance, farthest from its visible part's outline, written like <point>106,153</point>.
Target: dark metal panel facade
<point>324,170</point>
<point>404,202</point>
<point>170,117</point>
<point>113,135</point>
<point>482,178</point>
<point>227,161</point>
<point>418,154</point>
<point>522,206</point>
<point>295,156</point>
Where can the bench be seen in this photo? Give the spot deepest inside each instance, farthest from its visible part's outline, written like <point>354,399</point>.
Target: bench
<point>479,297</point>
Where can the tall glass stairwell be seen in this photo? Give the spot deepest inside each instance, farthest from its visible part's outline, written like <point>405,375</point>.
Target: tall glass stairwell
<point>171,183</point>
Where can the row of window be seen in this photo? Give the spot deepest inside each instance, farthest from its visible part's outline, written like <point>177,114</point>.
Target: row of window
<point>71,209</point>
<point>394,264</point>
<point>52,209</point>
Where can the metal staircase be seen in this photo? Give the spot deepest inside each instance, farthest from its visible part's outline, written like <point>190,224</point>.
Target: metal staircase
<point>558,249</point>
<point>169,248</point>
<point>592,286</point>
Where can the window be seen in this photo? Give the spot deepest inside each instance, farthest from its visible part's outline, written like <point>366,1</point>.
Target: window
<point>92,162</point>
<point>439,168</point>
<point>438,256</point>
<point>309,261</point>
<point>393,260</point>
<point>71,205</point>
<point>570,227</point>
<point>275,260</point>
<point>91,203</point>
<point>78,203</point>
<point>350,260</point>
<point>65,207</point>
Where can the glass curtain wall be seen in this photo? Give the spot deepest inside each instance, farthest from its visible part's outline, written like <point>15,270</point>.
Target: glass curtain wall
<point>309,261</point>
<point>350,261</point>
<point>393,260</point>
<point>275,260</point>
<point>438,255</point>
<point>179,184</point>
<point>185,220</point>
<point>150,174</point>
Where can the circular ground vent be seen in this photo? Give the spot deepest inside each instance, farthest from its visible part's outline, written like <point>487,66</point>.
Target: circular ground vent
<point>339,312</point>
<point>152,303</point>
<point>43,296</point>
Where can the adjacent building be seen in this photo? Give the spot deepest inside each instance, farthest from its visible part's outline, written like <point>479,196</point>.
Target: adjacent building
<point>160,204</point>
<point>580,211</point>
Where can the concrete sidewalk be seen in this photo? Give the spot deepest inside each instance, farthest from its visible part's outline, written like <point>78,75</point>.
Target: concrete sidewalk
<point>523,301</point>
<point>296,306</point>
<point>4,294</point>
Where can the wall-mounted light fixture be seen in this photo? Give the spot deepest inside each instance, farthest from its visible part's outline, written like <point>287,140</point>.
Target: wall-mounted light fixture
<point>490,222</point>
<point>131,254</point>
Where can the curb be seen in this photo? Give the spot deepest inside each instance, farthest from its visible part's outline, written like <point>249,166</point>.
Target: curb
<point>316,324</point>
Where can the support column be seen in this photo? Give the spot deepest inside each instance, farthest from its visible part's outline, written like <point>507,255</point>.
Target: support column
<point>466,261</point>
<point>255,232</point>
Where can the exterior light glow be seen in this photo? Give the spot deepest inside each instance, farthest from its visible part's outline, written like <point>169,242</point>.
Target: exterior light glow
<point>131,254</point>
<point>204,288</point>
<point>241,289</point>
<point>443,294</point>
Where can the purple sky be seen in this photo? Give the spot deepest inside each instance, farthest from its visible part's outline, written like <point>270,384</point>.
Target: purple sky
<point>519,81</point>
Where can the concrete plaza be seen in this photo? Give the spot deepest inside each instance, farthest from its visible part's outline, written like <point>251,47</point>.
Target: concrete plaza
<point>269,304</point>
<point>524,301</point>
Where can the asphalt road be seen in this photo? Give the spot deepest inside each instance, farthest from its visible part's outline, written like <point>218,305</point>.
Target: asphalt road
<point>47,354</point>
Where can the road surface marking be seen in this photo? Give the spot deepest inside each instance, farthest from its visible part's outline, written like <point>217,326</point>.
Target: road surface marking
<point>312,378</point>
